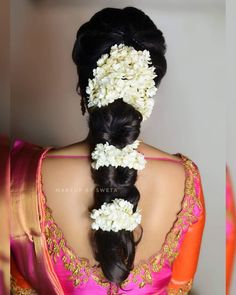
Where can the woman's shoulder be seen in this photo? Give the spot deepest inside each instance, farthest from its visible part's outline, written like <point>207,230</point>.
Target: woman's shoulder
<point>164,174</point>
<point>167,159</point>
<point>164,165</point>
<point>80,148</point>
<point>171,166</point>
<point>150,151</point>
<point>174,173</point>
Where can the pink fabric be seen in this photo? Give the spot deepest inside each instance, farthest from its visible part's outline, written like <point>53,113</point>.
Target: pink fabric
<point>89,286</point>
<point>229,225</point>
<point>229,207</point>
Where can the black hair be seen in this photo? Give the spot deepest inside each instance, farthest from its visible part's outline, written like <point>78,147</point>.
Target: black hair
<point>117,123</point>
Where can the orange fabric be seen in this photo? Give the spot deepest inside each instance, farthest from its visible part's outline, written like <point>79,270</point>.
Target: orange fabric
<point>17,278</point>
<point>230,251</point>
<point>185,265</point>
<point>231,238</point>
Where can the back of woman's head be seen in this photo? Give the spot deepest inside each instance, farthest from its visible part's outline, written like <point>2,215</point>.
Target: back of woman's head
<point>117,123</point>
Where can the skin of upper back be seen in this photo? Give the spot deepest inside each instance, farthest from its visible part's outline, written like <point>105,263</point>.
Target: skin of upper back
<point>68,187</point>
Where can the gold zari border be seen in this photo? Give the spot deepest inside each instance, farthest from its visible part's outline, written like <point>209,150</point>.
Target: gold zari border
<point>183,290</point>
<point>17,290</point>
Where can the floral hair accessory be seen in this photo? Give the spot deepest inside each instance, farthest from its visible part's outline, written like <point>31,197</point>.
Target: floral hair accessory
<point>123,73</point>
<point>116,216</point>
<point>105,155</point>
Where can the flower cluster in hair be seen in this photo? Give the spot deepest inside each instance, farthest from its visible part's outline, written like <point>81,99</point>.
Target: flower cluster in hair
<point>123,73</point>
<point>116,216</point>
<point>105,155</point>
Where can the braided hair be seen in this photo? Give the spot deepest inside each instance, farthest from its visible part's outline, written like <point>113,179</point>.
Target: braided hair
<point>118,123</point>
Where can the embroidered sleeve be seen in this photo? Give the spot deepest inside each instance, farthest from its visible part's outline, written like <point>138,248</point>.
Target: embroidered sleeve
<point>185,265</point>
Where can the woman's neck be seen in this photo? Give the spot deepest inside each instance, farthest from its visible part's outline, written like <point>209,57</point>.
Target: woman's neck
<point>87,139</point>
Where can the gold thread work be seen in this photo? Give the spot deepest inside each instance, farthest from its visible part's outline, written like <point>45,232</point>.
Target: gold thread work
<point>183,290</point>
<point>17,290</point>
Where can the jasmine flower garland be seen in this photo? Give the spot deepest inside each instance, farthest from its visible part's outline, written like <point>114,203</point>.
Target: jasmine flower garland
<point>123,73</point>
<point>105,155</point>
<point>116,216</point>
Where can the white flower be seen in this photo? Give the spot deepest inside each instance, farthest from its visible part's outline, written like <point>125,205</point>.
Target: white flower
<point>105,155</point>
<point>116,216</point>
<point>123,73</point>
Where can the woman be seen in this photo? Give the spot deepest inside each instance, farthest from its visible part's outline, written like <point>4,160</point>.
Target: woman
<point>109,214</point>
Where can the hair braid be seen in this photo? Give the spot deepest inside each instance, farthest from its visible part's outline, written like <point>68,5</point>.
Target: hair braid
<point>117,123</point>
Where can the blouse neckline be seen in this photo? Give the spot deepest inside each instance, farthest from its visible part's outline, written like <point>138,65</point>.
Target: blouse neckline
<point>169,248</point>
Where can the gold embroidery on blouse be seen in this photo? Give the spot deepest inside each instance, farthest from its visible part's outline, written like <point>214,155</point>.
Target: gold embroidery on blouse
<point>81,269</point>
<point>17,290</point>
<point>78,268</point>
<point>183,290</point>
<point>99,278</point>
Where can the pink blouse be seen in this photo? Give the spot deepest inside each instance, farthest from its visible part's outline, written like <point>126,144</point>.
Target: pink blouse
<point>150,276</point>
